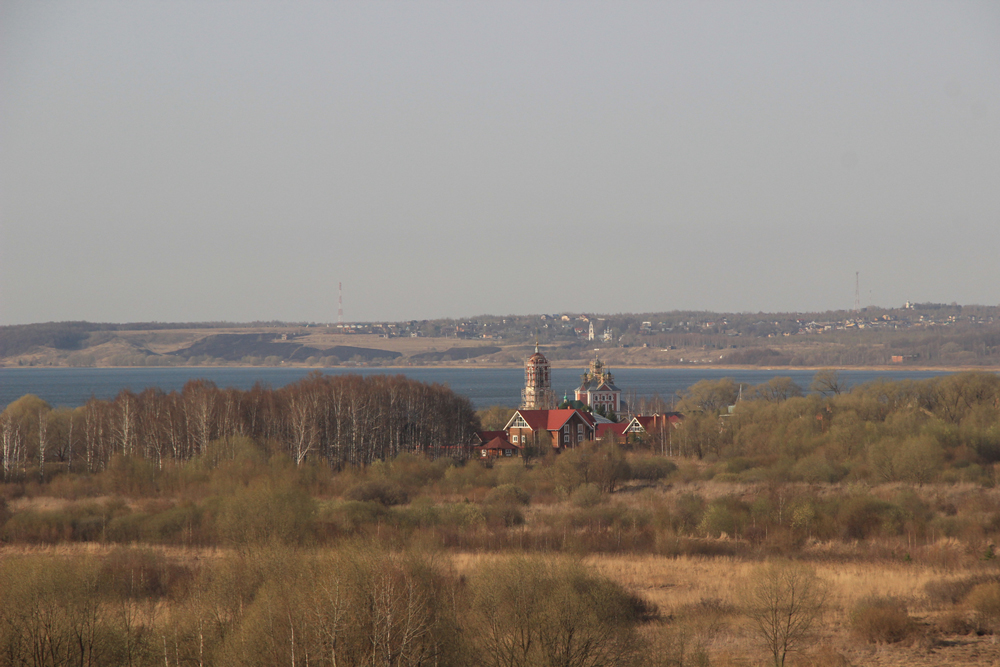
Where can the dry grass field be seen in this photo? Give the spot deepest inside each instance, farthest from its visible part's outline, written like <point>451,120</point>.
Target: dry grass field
<point>699,600</point>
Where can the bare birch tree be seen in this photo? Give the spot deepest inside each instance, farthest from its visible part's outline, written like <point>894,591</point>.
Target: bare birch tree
<point>784,602</point>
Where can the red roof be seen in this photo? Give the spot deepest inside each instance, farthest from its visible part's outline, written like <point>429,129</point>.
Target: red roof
<point>486,436</point>
<point>648,422</point>
<point>551,420</point>
<point>500,443</point>
<point>617,429</point>
<point>645,421</point>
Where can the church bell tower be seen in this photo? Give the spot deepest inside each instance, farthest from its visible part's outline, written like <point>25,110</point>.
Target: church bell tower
<point>537,393</point>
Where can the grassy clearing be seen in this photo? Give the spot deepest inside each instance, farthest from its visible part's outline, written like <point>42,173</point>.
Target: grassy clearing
<point>700,598</point>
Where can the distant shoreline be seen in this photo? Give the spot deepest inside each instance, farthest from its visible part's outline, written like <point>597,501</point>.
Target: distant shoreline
<point>556,364</point>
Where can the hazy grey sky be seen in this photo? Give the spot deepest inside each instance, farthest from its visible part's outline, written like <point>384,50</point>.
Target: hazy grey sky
<point>190,161</point>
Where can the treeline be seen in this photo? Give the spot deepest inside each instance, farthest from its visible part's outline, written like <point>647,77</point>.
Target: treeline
<point>344,419</point>
<point>356,605</point>
<point>940,429</point>
<point>592,500</point>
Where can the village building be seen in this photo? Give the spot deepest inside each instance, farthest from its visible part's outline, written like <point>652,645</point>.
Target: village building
<point>598,391</point>
<point>482,437</point>
<point>498,447</point>
<point>558,429</point>
<point>615,432</point>
<point>645,424</point>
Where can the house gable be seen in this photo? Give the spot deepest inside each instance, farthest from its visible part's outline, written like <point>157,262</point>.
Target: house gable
<point>565,428</point>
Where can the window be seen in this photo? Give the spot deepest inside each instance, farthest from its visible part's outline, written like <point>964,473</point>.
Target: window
<point>519,423</point>
<point>514,439</point>
<point>565,437</point>
<point>484,453</point>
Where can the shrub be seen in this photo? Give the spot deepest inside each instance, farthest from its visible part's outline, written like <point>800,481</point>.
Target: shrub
<point>688,511</point>
<point>985,601</point>
<point>506,515</point>
<point>462,479</point>
<point>863,517</point>
<point>880,619</point>
<point>954,622</point>
<point>141,573</point>
<point>57,602</point>
<point>739,464</point>
<point>462,515</point>
<point>607,467</point>
<point>587,495</point>
<point>127,528</point>
<point>265,512</point>
<point>952,591</point>
<point>816,468</point>
<point>378,490</point>
<point>535,612</point>
<point>652,469</point>
<point>724,515</point>
<point>174,524</point>
<point>355,514</point>
<point>707,615</point>
<point>413,471</point>
<point>825,656</point>
<point>358,606</point>
<point>507,494</point>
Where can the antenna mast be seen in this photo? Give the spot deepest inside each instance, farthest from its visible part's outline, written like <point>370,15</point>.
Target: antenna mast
<point>857,292</point>
<point>340,303</point>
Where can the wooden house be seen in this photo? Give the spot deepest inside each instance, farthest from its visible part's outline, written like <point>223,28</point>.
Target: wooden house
<point>557,429</point>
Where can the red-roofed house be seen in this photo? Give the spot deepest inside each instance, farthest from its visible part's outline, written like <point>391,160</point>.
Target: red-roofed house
<point>499,447</point>
<point>482,437</point>
<point>656,426</point>
<point>616,431</point>
<point>558,429</point>
<point>644,424</point>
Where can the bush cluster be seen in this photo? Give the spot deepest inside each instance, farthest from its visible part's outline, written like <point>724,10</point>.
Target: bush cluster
<point>880,619</point>
<point>355,605</point>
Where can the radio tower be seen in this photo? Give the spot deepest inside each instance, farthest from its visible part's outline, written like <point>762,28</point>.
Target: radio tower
<point>857,293</point>
<point>340,303</point>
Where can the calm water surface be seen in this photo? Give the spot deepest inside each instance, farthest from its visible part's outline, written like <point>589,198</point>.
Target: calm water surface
<point>71,387</point>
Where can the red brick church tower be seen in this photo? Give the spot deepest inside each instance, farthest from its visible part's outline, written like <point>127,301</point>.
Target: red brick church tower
<point>537,393</point>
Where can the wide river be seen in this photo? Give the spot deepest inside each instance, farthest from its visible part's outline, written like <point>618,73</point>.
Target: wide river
<point>71,387</point>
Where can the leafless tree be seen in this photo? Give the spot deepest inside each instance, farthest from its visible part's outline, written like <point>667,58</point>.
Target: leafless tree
<point>784,602</point>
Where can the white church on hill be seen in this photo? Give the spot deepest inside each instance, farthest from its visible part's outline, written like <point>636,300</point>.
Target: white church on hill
<point>598,390</point>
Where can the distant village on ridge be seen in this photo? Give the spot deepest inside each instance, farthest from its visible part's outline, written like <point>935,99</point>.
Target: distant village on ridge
<point>914,335</point>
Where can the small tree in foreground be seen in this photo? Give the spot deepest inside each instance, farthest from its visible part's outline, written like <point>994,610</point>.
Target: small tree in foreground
<point>784,602</point>
<point>528,612</point>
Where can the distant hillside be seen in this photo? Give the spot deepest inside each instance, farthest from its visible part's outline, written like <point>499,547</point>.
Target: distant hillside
<point>237,347</point>
<point>24,338</point>
<point>455,354</point>
<point>20,339</point>
<point>921,334</point>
